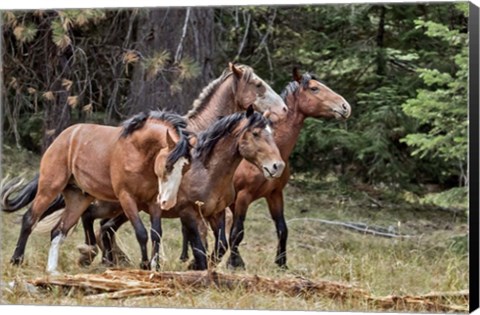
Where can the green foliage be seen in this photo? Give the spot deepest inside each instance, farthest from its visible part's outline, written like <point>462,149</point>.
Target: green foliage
<point>441,107</point>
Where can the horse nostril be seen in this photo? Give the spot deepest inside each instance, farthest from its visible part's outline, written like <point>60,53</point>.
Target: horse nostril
<point>285,109</point>
<point>275,167</point>
<point>345,107</point>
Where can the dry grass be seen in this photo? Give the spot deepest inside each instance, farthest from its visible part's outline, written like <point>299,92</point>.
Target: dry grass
<point>435,260</point>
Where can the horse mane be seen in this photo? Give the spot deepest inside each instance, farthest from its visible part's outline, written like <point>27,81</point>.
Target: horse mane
<point>293,86</point>
<point>222,127</point>
<point>200,103</point>
<point>182,148</point>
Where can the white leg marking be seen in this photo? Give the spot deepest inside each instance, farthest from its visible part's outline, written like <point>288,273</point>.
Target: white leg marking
<point>53,254</point>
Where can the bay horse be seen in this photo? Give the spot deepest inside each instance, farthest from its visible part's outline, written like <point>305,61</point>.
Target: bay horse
<point>87,162</point>
<point>235,90</point>
<point>305,97</point>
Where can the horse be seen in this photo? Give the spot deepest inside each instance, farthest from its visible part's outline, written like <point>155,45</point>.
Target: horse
<point>88,161</point>
<point>305,97</point>
<point>235,90</point>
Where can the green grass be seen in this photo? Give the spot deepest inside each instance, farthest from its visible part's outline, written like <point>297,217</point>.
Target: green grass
<point>434,260</point>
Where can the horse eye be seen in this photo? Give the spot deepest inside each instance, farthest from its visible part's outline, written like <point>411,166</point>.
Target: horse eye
<point>314,88</point>
<point>259,85</point>
<point>255,134</point>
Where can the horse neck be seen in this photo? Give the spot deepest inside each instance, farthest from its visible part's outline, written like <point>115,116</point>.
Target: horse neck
<point>224,160</point>
<point>288,130</point>
<point>221,103</point>
<point>147,139</point>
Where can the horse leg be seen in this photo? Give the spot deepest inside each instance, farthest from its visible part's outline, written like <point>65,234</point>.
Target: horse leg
<point>89,250</point>
<point>112,254</point>
<point>217,222</point>
<point>184,254</point>
<point>203,230</point>
<point>46,194</point>
<point>275,205</point>
<point>155,235</point>
<point>239,209</point>
<point>131,211</point>
<point>76,202</point>
<point>199,253</point>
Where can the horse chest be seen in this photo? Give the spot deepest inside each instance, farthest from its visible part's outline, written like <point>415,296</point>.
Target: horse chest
<point>216,202</point>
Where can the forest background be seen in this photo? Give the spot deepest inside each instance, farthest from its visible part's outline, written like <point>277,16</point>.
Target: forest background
<point>402,67</point>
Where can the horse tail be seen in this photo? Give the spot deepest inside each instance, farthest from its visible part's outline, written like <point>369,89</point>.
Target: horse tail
<point>24,196</point>
<point>48,222</point>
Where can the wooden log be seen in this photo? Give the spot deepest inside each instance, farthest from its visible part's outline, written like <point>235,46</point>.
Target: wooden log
<point>118,284</point>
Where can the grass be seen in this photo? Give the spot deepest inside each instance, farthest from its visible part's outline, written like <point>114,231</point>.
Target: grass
<point>434,260</point>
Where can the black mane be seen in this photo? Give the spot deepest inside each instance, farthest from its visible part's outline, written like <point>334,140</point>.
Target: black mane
<point>207,93</point>
<point>221,128</point>
<point>294,85</point>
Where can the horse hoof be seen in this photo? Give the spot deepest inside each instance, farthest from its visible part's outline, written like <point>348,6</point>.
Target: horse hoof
<point>184,258</point>
<point>84,261</point>
<point>145,265</point>
<point>87,254</point>
<point>16,261</point>
<point>282,263</point>
<point>53,272</point>
<point>283,266</point>
<point>195,266</point>
<point>235,263</point>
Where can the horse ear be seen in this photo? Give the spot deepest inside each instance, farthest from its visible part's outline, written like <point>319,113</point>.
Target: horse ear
<point>250,111</point>
<point>296,75</point>
<point>236,71</point>
<point>193,140</point>
<point>170,143</point>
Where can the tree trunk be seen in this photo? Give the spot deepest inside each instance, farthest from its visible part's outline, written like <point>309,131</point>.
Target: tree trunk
<point>57,111</point>
<point>182,33</point>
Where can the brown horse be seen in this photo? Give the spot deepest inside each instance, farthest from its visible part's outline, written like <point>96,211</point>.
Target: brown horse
<point>305,97</point>
<point>88,162</point>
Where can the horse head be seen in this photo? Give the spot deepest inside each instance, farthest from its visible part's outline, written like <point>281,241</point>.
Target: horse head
<point>318,100</point>
<point>170,164</point>
<point>250,89</point>
<point>257,145</point>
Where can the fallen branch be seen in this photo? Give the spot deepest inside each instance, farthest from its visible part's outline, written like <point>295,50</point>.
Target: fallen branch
<point>359,227</point>
<point>119,284</point>
<point>126,281</point>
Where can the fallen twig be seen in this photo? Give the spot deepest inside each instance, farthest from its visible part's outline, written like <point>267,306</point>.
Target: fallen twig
<point>359,227</point>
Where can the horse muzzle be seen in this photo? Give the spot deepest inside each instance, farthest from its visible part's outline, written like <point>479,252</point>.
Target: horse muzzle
<point>273,170</point>
<point>343,111</point>
<point>166,203</point>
